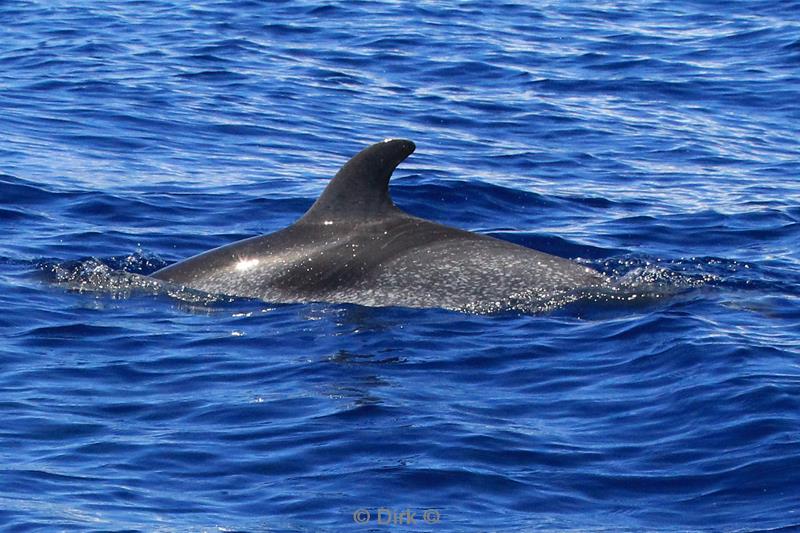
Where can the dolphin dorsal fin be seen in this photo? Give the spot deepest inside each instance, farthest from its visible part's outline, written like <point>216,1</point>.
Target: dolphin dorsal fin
<point>360,190</point>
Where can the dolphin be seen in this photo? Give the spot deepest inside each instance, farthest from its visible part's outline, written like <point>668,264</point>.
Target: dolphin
<point>355,246</point>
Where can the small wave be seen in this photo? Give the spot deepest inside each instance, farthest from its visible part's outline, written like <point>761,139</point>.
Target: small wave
<point>636,282</point>
<point>633,272</point>
<point>120,277</point>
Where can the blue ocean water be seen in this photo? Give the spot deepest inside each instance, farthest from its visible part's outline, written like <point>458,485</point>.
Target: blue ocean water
<point>655,141</point>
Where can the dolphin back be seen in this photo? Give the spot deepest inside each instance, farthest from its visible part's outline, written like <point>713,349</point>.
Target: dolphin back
<point>355,246</point>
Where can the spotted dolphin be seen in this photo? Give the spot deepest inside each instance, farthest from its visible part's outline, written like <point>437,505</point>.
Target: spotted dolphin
<point>355,246</point>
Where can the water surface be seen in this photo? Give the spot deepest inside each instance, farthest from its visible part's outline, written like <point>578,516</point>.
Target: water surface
<point>656,142</point>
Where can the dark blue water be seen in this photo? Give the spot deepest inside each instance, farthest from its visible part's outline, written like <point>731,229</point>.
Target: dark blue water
<point>656,142</point>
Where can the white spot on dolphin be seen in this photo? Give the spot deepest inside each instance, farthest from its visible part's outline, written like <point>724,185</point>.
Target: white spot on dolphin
<point>246,264</point>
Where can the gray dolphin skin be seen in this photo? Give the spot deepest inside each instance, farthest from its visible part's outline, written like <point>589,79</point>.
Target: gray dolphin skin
<point>355,246</point>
